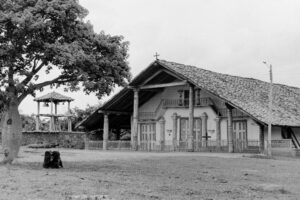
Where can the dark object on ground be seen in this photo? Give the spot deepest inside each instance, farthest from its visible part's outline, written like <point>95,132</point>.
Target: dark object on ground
<point>52,160</point>
<point>42,146</point>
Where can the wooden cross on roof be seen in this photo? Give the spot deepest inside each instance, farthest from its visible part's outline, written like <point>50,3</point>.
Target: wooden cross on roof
<point>156,55</point>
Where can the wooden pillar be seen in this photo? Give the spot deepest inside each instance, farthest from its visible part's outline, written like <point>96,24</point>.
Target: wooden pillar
<point>37,123</point>
<point>135,119</point>
<point>105,131</point>
<point>230,129</point>
<point>55,108</point>
<point>51,117</point>
<point>69,118</point>
<point>131,131</point>
<point>55,118</point>
<point>190,138</point>
<point>261,139</point>
<point>174,117</point>
<point>198,99</point>
<point>204,127</point>
<point>218,132</point>
<point>162,123</point>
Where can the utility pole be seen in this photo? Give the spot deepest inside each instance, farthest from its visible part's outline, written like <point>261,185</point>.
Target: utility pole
<point>269,146</point>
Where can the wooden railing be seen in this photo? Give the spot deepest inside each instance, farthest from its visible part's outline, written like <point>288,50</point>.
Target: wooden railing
<point>235,112</point>
<point>147,115</point>
<point>179,103</point>
<point>111,145</point>
<point>283,143</point>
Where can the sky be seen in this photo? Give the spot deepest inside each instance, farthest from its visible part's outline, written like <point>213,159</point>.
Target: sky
<point>232,37</point>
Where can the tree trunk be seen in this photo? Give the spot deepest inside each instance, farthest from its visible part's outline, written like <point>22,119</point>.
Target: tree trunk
<point>11,133</point>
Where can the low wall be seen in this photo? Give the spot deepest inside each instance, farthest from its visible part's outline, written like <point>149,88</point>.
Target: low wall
<point>74,140</point>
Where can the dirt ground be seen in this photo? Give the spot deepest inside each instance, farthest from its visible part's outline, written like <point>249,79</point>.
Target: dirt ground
<point>141,175</point>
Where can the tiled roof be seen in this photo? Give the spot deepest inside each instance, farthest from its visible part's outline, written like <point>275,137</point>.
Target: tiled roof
<point>53,96</point>
<point>247,94</point>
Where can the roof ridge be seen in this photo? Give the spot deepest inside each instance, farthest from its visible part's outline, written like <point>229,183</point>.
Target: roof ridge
<point>251,78</point>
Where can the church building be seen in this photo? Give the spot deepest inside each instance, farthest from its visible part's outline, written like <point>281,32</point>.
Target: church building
<point>176,107</point>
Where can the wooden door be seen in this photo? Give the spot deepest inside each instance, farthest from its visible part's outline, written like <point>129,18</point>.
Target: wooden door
<point>240,135</point>
<point>197,131</point>
<point>148,136</point>
<point>184,129</point>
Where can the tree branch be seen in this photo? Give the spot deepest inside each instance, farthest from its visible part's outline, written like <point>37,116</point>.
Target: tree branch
<point>32,73</point>
<point>59,80</point>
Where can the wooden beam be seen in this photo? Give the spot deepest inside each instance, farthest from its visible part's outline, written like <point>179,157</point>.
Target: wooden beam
<point>151,77</point>
<point>114,112</point>
<point>164,85</point>
<point>173,74</point>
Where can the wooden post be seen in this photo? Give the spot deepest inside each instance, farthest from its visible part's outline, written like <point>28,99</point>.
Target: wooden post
<point>37,123</point>
<point>135,118</point>
<point>174,117</point>
<point>218,132</point>
<point>190,138</point>
<point>204,127</point>
<point>198,99</point>
<point>230,130</point>
<point>162,133</point>
<point>69,118</point>
<point>131,131</point>
<point>55,118</point>
<point>55,108</point>
<point>261,139</point>
<point>51,117</point>
<point>105,131</point>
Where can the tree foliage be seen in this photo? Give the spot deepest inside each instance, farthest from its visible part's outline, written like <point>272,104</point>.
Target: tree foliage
<point>80,114</point>
<point>38,36</point>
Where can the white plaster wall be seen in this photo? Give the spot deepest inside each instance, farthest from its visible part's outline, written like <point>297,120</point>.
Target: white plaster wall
<point>167,93</point>
<point>172,93</point>
<point>224,129</point>
<point>181,112</point>
<point>252,129</point>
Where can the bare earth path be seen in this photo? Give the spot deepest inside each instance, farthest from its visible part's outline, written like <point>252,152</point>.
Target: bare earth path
<point>138,175</point>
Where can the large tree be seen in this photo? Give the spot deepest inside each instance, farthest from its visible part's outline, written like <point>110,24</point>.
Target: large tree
<point>42,36</point>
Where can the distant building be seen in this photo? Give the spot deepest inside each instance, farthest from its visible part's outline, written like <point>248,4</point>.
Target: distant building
<point>227,113</point>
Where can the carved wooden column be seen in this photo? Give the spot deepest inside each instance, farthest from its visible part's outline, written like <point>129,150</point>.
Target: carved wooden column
<point>105,131</point>
<point>135,118</point>
<point>230,129</point>
<point>162,123</point>
<point>261,139</point>
<point>174,117</point>
<point>204,128</point>
<point>218,132</point>
<point>190,138</point>
<point>37,123</point>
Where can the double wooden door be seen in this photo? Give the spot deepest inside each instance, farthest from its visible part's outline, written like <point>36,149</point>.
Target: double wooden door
<point>240,135</point>
<point>148,136</point>
<point>184,129</point>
